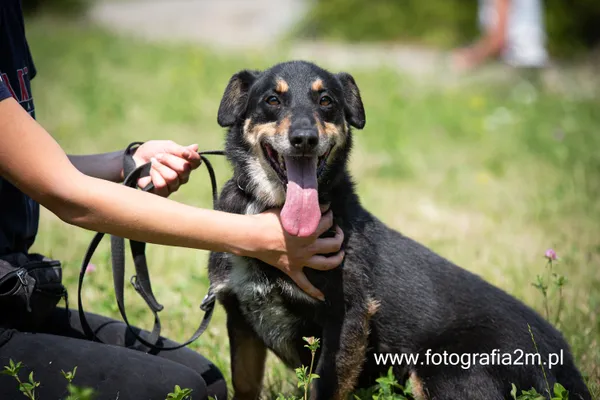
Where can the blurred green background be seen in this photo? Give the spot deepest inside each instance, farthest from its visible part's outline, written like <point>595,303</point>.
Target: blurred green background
<point>488,168</point>
<point>572,26</point>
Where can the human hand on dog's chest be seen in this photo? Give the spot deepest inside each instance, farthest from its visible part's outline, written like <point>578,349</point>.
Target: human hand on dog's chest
<point>291,254</point>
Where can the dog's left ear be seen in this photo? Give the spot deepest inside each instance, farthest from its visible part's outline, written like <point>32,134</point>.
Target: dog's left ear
<point>235,99</point>
<point>354,110</point>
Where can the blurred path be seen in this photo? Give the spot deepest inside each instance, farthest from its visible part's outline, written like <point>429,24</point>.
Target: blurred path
<point>259,25</point>
<point>228,24</point>
<point>234,25</point>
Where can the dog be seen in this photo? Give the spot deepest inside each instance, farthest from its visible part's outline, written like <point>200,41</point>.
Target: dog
<point>289,138</point>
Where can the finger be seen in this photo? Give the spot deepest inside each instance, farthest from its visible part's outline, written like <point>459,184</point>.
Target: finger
<point>145,181</point>
<point>169,176</point>
<point>323,263</point>
<point>324,208</point>
<point>184,178</point>
<point>180,151</point>
<point>177,164</point>
<point>325,223</point>
<point>160,186</point>
<point>193,157</point>
<point>328,245</point>
<point>304,284</point>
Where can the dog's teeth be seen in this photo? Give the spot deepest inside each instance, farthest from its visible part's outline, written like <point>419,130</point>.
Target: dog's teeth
<point>281,162</point>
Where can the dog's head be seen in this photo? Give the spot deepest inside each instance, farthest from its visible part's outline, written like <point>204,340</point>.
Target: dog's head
<point>290,135</point>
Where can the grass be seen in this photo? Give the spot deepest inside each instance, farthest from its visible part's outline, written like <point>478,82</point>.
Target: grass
<point>487,175</point>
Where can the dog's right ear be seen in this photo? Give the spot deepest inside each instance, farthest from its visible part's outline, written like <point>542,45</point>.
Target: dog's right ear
<point>235,98</point>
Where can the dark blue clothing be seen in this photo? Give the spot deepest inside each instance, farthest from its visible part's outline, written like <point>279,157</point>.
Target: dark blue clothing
<point>4,92</point>
<point>19,214</point>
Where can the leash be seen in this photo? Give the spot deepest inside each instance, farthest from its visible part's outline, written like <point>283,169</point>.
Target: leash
<point>141,280</point>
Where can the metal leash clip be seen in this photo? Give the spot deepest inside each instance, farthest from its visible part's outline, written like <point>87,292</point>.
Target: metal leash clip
<point>208,301</point>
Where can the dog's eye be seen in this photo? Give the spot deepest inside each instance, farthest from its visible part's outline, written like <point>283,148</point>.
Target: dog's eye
<point>273,101</point>
<point>325,101</point>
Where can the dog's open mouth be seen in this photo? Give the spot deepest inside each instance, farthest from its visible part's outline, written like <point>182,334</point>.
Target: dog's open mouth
<point>277,162</point>
<point>300,214</point>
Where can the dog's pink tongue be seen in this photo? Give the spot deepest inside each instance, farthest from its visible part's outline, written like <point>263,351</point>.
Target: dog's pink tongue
<point>301,214</point>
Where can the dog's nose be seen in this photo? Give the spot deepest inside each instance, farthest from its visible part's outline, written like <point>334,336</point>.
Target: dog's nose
<point>303,135</point>
<point>304,139</point>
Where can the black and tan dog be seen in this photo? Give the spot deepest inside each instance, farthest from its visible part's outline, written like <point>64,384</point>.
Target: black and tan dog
<point>289,139</point>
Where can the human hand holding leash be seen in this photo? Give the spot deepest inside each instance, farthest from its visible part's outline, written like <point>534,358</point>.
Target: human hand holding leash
<point>171,164</point>
<point>291,254</point>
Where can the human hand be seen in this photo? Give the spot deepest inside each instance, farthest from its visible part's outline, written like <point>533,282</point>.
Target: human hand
<point>291,254</point>
<point>171,164</point>
<point>465,59</point>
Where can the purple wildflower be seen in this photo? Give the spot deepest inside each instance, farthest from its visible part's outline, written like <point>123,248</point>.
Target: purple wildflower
<point>550,255</point>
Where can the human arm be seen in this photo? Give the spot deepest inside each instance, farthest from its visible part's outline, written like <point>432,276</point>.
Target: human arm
<point>490,44</point>
<point>34,162</point>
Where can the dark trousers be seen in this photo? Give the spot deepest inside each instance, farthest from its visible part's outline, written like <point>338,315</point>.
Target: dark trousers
<point>113,371</point>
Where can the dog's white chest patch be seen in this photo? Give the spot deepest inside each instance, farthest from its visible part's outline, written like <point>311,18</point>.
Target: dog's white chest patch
<point>262,302</point>
<point>265,310</point>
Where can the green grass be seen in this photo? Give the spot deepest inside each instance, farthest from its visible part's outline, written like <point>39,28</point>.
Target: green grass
<point>487,175</point>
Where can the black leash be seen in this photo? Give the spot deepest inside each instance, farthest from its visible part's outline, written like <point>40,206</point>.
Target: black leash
<point>141,280</point>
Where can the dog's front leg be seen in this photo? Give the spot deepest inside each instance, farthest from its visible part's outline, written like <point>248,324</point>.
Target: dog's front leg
<point>248,355</point>
<point>343,351</point>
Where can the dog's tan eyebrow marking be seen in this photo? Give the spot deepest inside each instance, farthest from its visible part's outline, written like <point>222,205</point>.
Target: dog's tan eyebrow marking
<point>282,86</point>
<point>317,85</point>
